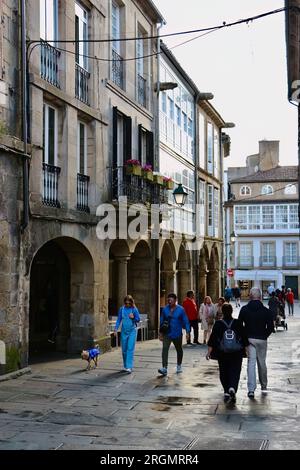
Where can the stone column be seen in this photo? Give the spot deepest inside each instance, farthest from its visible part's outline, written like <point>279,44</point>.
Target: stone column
<point>202,284</point>
<point>122,278</point>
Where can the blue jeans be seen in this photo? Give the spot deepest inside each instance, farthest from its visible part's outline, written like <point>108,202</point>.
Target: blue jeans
<point>128,340</point>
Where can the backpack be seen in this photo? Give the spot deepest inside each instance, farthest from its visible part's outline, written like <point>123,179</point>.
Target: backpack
<point>230,343</point>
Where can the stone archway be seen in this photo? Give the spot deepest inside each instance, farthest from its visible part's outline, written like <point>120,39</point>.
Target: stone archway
<point>183,273</point>
<point>61,306</point>
<point>141,281</point>
<point>213,276</point>
<point>167,271</point>
<point>119,255</point>
<point>203,269</point>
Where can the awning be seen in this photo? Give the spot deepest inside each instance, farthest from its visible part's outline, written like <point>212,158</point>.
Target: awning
<point>256,275</point>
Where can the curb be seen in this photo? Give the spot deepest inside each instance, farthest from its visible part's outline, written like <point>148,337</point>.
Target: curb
<point>14,375</point>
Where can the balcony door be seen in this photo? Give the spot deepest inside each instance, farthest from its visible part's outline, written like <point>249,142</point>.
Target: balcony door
<point>245,260</point>
<point>268,254</point>
<point>290,254</point>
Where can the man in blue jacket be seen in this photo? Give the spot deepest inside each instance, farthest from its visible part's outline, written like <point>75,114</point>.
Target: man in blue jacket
<point>174,316</point>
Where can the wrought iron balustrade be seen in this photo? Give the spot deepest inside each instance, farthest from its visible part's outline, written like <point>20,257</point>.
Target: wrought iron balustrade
<point>83,192</point>
<point>50,63</point>
<point>117,69</point>
<point>141,90</point>
<point>81,84</point>
<point>50,185</point>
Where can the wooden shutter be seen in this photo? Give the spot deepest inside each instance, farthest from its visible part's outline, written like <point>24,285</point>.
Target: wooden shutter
<point>127,138</point>
<point>150,149</point>
<point>140,133</point>
<point>115,137</point>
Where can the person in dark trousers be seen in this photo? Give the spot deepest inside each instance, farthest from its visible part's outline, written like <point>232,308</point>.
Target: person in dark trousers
<point>230,363</point>
<point>236,292</point>
<point>191,309</point>
<point>258,321</point>
<point>290,301</point>
<point>174,315</point>
<point>227,294</point>
<point>274,306</point>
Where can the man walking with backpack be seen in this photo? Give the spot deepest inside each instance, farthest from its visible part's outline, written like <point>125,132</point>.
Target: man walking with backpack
<point>258,321</point>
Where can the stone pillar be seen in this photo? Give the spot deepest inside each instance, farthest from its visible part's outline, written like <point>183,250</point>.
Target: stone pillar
<point>122,278</point>
<point>202,284</point>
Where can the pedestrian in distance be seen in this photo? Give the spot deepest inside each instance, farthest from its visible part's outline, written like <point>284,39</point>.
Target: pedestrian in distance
<point>274,307</point>
<point>207,315</point>
<point>191,310</point>
<point>227,343</point>
<point>128,318</point>
<point>290,301</point>
<point>218,308</point>
<point>270,289</point>
<point>228,294</point>
<point>258,321</point>
<point>173,319</point>
<point>236,292</point>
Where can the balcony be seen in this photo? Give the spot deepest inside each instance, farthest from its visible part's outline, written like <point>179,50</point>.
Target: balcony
<point>117,69</point>
<point>50,64</point>
<point>81,84</point>
<point>136,188</point>
<point>267,261</point>
<point>141,90</point>
<point>50,185</point>
<point>83,192</point>
<point>244,262</point>
<point>289,262</point>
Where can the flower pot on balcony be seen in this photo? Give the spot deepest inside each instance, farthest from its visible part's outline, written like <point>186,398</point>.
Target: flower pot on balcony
<point>159,179</point>
<point>133,170</point>
<point>169,184</point>
<point>148,175</point>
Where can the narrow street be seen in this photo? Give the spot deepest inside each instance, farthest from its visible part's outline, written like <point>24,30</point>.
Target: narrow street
<point>61,406</point>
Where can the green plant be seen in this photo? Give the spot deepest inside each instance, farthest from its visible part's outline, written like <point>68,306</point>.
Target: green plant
<point>13,359</point>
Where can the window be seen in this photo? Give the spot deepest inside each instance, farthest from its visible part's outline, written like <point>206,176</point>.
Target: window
<point>290,189</point>
<point>178,116</point>
<point>216,212</point>
<point>290,253</point>
<point>267,217</point>
<point>202,207</point>
<point>50,135</point>
<point>190,127</point>
<point>254,217</point>
<point>202,140</point>
<point>116,26</point>
<point>245,191</point>
<point>209,147</point>
<point>268,254</point>
<point>48,20</point>
<point>240,217</point>
<point>293,216</point>
<point>171,108</point>
<point>185,125</point>
<point>210,209</point>
<point>164,102</point>
<point>281,215</point>
<point>140,53</point>
<point>245,257</point>
<point>81,34</point>
<point>81,149</point>
<point>216,153</point>
<point>267,189</point>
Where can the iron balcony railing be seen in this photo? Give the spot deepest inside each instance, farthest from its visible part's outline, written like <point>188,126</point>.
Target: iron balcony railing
<point>290,262</point>
<point>244,262</point>
<point>83,192</point>
<point>267,261</point>
<point>50,63</point>
<point>82,84</point>
<point>136,188</point>
<point>141,90</point>
<point>117,69</point>
<point>50,185</point>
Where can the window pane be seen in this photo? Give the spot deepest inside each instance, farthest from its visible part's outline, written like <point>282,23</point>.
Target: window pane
<point>293,216</point>
<point>240,219</point>
<point>281,217</point>
<point>267,217</point>
<point>254,217</point>
<point>209,147</point>
<point>81,148</point>
<point>51,136</point>
<point>42,20</point>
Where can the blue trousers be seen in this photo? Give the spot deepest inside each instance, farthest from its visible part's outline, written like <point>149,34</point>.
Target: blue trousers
<point>128,340</point>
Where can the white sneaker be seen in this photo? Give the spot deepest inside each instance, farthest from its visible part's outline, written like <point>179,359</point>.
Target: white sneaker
<point>128,371</point>
<point>264,391</point>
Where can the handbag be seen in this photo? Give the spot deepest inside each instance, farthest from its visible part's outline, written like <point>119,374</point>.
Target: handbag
<point>164,328</point>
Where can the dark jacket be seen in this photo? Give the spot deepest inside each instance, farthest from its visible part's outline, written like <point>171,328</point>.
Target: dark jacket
<point>274,306</point>
<point>258,320</point>
<point>217,334</point>
<point>236,292</point>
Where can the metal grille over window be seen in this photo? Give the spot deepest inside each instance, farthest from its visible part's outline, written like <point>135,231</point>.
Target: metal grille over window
<point>83,192</point>
<point>50,185</point>
<point>142,90</point>
<point>117,69</point>
<point>81,84</point>
<point>49,64</point>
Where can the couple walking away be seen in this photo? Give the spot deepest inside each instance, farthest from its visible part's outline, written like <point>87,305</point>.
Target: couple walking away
<point>231,340</point>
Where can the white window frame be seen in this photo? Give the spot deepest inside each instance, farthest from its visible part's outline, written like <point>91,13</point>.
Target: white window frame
<point>216,211</point>
<point>245,191</point>
<point>83,50</point>
<point>216,153</point>
<point>210,147</point>
<point>267,190</point>
<point>210,210</point>
<point>44,18</point>
<point>202,204</point>
<point>291,255</point>
<point>202,128</point>
<point>80,123</point>
<point>140,53</point>
<point>290,189</point>
<point>116,32</point>
<point>46,134</point>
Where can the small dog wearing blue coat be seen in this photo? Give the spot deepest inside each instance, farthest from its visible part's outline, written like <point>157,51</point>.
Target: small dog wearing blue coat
<point>91,355</point>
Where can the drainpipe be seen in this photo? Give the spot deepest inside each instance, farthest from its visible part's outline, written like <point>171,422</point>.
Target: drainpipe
<point>197,164</point>
<point>24,118</point>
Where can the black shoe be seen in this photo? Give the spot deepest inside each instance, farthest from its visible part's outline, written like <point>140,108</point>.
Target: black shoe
<point>226,397</point>
<point>251,395</point>
<point>232,395</point>
<point>197,342</point>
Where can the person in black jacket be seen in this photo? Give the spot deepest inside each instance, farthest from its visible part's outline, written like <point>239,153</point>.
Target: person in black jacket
<point>230,363</point>
<point>258,321</point>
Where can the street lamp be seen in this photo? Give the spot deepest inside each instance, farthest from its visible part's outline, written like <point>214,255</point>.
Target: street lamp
<point>180,195</point>
<point>232,237</point>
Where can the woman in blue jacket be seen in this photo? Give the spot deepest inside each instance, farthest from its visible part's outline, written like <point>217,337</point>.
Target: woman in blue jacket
<point>129,317</point>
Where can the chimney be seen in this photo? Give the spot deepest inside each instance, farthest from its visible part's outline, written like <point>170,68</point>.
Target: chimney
<point>268,154</point>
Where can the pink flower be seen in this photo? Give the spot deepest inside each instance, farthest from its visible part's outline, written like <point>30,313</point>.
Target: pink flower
<point>147,167</point>
<point>166,179</point>
<point>133,163</point>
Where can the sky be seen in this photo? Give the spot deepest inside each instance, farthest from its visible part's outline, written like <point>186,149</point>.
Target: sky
<point>243,66</point>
